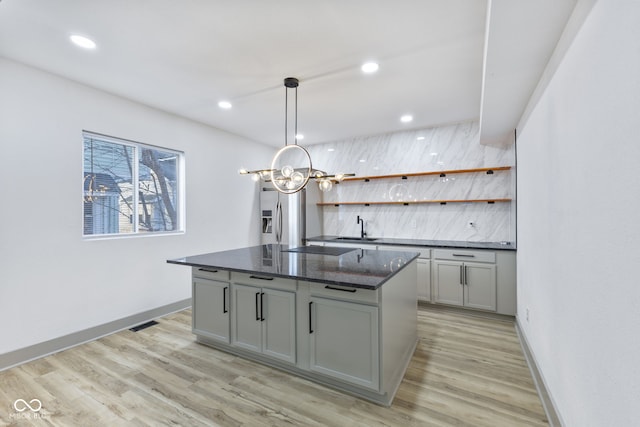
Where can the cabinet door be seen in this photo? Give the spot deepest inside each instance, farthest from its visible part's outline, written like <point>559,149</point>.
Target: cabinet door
<point>424,280</point>
<point>278,328</point>
<point>448,286</point>
<point>246,326</point>
<point>480,286</point>
<point>344,341</point>
<point>211,309</point>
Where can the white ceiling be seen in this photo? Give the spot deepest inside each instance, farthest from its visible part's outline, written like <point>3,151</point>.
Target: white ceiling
<point>185,56</point>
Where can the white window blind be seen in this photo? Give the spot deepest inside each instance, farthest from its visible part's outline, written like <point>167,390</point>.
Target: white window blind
<point>129,187</point>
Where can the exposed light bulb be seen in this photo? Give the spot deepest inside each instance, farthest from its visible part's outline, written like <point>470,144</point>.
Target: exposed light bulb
<point>325,185</point>
<point>287,171</point>
<point>297,178</point>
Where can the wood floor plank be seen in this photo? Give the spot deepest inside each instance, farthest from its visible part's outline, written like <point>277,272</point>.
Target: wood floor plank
<point>467,370</point>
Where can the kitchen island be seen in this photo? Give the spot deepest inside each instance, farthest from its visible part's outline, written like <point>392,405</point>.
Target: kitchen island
<point>342,317</point>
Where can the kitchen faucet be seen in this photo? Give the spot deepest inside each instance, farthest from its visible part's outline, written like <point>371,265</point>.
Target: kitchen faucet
<point>361,222</point>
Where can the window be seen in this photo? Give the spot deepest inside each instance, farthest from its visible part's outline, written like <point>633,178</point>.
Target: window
<point>130,188</point>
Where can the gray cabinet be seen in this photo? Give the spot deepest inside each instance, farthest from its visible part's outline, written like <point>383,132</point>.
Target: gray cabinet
<point>357,340</point>
<point>211,309</point>
<point>344,341</point>
<point>424,263</point>
<point>424,279</point>
<point>447,278</point>
<point>465,283</point>
<point>480,286</point>
<point>264,321</point>
<point>247,327</point>
<point>493,287</point>
<point>424,268</point>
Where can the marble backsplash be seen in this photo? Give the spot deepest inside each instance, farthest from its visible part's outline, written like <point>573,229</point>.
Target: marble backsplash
<point>435,149</point>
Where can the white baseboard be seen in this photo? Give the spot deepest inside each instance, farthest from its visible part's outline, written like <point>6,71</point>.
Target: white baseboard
<point>36,351</point>
<point>546,399</point>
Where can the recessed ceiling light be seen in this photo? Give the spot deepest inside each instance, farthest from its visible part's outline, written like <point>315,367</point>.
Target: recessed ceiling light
<point>299,136</point>
<point>225,105</point>
<point>82,41</point>
<point>331,149</point>
<point>362,160</point>
<point>406,118</point>
<point>420,138</point>
<point>369,67</point>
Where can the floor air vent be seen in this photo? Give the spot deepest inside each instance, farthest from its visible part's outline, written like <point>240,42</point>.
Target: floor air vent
<point>143,326</point>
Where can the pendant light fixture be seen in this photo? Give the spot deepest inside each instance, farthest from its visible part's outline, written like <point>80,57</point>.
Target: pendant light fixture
<point>291,167</point>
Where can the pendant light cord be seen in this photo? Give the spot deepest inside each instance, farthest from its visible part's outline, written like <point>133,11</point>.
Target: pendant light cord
<point>286,117</point>
<point>286,114</point>
<point>289,83</point>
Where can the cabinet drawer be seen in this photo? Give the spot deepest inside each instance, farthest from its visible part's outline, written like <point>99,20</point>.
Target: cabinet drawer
<point>211,273</point>
<point>425,253</point>
<point>464,255</point>
<point>369,296</point>
<point>264,281</point>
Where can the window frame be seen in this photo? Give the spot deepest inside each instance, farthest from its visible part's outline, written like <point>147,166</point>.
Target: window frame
<point>180,205</point>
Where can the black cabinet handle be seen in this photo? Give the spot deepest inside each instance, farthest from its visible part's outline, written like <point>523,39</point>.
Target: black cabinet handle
<point>465,255</point>
<point>310,326</point>
<point>224,299</point>
<point>257,315</point>
<point>352,290</point>
<point>207,270</point>
<point>261,278</point>
<point>262,306</point>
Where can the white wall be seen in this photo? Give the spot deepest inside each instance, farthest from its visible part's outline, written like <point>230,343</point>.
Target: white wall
<point>578,223</point>
<point>52,282</point>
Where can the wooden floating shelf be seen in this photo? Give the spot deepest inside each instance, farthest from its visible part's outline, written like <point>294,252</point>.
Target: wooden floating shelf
<point>416,202</point>
<point>406,175</point>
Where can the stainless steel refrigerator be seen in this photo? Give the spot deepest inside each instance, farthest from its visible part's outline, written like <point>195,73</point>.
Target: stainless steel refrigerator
<point>289,218</point>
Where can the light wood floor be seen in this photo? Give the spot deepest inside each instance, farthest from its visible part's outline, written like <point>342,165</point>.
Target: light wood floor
<point>466,371</point>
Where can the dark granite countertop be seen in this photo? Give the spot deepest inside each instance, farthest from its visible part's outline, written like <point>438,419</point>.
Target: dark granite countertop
<point>504,246</point>
<point>359,268</point>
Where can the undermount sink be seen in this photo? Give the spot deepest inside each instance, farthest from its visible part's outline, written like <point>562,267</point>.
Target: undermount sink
<point>365,239</point>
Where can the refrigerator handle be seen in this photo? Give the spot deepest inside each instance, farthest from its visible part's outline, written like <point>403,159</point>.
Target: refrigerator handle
<point>278,222</point>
